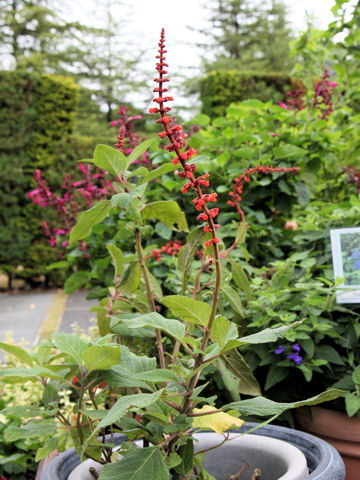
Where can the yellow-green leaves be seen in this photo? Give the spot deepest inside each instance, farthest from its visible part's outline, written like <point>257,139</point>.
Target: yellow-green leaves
<point>219,422</point>
<point>188,309</point>
<point>88,219</point>
<point>167,212</point>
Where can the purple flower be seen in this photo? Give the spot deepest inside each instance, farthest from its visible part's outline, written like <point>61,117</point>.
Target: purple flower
<point>279,349</point>
<point>354,256</point>
<point>296,347</point>
<point>297,359</point>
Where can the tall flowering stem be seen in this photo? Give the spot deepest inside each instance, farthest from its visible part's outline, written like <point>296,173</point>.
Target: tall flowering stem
<point>176,138</point>
<point>238,185</point>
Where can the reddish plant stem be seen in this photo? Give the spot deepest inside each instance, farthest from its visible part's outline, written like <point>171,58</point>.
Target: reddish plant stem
<point>175,147</point>
<point>149,295</point>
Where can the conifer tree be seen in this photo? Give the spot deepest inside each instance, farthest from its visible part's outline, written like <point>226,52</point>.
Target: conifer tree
<point>248,35</point>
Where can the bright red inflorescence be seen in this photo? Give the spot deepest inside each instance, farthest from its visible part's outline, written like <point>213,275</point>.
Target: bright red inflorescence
<point>176,138</point>
<point>324,90</point>
<point>237,190</point>
<point>171,248</point>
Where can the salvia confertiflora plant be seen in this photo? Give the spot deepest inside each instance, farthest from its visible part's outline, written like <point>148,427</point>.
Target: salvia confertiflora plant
<point>156,401</point>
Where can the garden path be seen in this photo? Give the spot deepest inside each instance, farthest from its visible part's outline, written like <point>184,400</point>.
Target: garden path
<point>31,317</point>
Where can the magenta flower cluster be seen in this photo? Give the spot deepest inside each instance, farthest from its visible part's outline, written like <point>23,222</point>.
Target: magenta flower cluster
<point>91,188</point>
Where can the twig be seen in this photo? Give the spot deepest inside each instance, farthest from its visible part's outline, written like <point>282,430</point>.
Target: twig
<point>93,473</point>
<point>240,472</point>
<point>256,475</point>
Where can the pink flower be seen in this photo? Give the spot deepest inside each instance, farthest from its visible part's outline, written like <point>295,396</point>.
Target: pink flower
<point>332,84</point>
<point>77,184</point>
<point>64,244</point>
<point>59,231</point>
<point>33,193</point>
<point>283,105</point>
<point>291,225</point>
<point>52,241</point>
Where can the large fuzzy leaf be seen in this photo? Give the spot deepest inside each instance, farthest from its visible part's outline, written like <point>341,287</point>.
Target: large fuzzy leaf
<point>188,309</point>
<point>168,212</point>
<point>142,464</point>
<point>174,328</point>
<point>264,407</point>
<point>110,159</point>
<point>88,219</point>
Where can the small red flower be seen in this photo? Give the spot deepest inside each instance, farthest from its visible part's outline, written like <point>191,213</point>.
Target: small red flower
<point>75,380</point>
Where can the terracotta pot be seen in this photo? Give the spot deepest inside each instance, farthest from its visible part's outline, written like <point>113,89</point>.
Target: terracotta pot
<point>339,430</point>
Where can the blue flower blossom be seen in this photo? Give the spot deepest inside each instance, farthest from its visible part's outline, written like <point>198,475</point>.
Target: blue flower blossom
<point>279,349</point>
<point>296,347</point>
<point>297,359</point>
<point>355,255</point>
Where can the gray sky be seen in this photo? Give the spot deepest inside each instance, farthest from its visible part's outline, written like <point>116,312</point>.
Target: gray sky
<point>142,20</point>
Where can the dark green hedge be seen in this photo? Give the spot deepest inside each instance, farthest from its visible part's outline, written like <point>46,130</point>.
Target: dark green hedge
<point>219,89</point>
<point>37,115</point>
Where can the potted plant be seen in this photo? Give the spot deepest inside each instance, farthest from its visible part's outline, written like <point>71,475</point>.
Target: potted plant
<point>156,402</point>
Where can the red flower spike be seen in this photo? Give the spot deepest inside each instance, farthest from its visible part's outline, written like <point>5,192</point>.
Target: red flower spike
<point>176,136</point>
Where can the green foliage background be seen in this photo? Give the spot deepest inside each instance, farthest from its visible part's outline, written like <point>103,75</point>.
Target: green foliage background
<point>37,121</point>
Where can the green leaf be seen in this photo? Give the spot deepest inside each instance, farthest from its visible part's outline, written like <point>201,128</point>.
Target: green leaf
<point>236,363</point>
<point>31,430</point>
<point>48,448</point>
<point>158,375</point>
<point>275,375</point>
<point>200,119</point>
<point>131,279</point>
<point>141,464</point>
<point>219,331</point>
<point>75,281</point>
<point>121,200</point>
<point>188,309</point>
<point>101,357</point>
<point>168,212</point>
<point>352,403</point>
<point>139,150</point>
<point>303,193</point>
<point>110,159</point>
<point>165,168</point>
<point>88,219</point>
<point>117,257</point>
<point>330,354</point>
<point>241,233</point>
<point>233,298</point>
<point>186,452</point>
<point>263,407</point>
<point>120,408</point>
<point>71,345</point>
<point>288,151</point>
<point>18,352</point>
<point>240,278</point>
<point>23,411</point>
<point>174,328</point>
<point>187,252</point>
<point>268,334</point>
<point>19,374</point>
